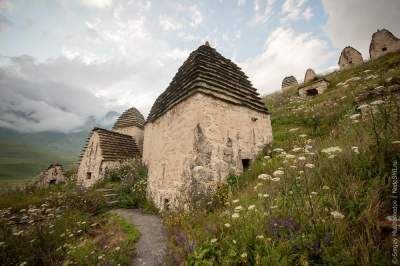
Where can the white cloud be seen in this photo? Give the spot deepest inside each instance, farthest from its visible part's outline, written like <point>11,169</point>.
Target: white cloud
<point>286,53</point>
<point>260,16</point>
<point>296,9</point>
<point>353,22</point>
<point>96,3</point>
<point>241,2</point>
<point>197,17</point>
<point>169,23</point>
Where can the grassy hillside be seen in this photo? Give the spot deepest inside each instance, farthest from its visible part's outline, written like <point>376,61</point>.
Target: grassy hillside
<point>23,156</point>
<point>321,197</point>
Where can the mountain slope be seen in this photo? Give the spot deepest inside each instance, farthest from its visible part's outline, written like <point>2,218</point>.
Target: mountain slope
<point>322,197</point>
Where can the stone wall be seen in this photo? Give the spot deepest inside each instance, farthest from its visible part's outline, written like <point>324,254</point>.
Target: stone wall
<point>350,57</point>
<point>383,42</point>
<point>317,87</point>
<point>89,171</point>
<point>196,144</point>
<point>135,132</point>
<point>52,176</point>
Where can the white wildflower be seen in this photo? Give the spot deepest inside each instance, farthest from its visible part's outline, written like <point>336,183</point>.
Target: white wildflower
<point>275,179</point>
<point>332,149</point>
<point>244,255</point>
<point>301,158</point>
<point>290,156</point>
<point>325,187</point>
<point>227,225</point>
<point>313,193</point>
<point>377,102</point>
<point>267,157</point>
<point>266,195</point>
<point>296,149</point>
<point>264,177</point>
<point>278,150</point>
<point>273,207</point>
<point>238,208</point>
<point>355,150</point>
<point>355,116</point>
<point>309,165</point>
<point>302,135</point>
<point>363,106</point>
<point>396,142</point>
<point>214,240</point>
<point>117,248</point>
<point>337,215</point>
<point>260,237</point>
<point>293,129</point>
<point>278,173</point>
<point>251,207</point>
<point>331,156</point>
<point>235,201</point>
<point>235,215</point>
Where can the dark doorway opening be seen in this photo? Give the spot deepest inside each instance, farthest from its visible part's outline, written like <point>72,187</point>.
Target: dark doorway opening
<point>166,204</point>
<point>245,164</point>
<point>311,92</point>
<point>52,182</point>
<point>88,175</point>
<point>384,49</point>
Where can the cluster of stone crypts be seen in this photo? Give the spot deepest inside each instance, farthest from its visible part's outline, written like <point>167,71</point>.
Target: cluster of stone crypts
<point>289,83</point>
<point>382,42</point>
<point>52,176</point>
<point>106,149</point>
<point>208,72</point>
<point>208,123</point>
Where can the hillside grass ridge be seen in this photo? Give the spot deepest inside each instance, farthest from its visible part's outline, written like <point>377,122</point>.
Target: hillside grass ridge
<point>320,197</point>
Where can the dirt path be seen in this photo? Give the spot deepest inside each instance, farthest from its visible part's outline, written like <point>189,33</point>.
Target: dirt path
<point>151,247</point>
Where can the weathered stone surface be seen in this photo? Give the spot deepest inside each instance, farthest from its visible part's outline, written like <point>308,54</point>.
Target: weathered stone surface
<point>52,176</point>
<point>310,75</point>
<point>104,149</point>
<point>383,42</point>
<point>288,83</point>
<point>196,144</point>
<point>380,93</point>
<point>349,57</point>
<point>316,87</point>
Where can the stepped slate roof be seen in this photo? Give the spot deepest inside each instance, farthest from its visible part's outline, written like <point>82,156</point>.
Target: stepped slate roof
<point>131,117</point>
<point>207,71</point>
<point>114,146</point>
<point>289,81</point>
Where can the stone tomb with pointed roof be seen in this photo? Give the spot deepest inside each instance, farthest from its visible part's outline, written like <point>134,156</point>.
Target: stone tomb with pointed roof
<point>383,42</point>
<point>349,57</point>
<point>52,176</point>
<point>106,149</point>
<point>289,83</point>
<point>210,122</point>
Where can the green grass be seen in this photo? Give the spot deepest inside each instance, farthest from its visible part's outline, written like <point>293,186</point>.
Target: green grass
<point>323,210</point>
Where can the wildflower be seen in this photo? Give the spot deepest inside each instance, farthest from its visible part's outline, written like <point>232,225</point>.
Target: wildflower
<point>266,195</point>
<point>273,207</point>
<point>297,177</point>
<point>332,149</point>
<point>267,157</point>
<point>301,158</point>
<point>251,207</point>
<point>363,106</point>
<point>264,177</point>
<point>355,116</point>
<point>71,235</point>
<point>278,150</point>
<point>117,248</point>
<point>396,142</point>
<point>290,192</point>
<point>235,201</point>
<point>331,156</point>
<point>337,215</point>
<point>100,257</point>
<point>276,179</point>
<point>2,244</point>
<point>293,166</point>
<point>227,225</point>
<point>234,241</point>
<point>355,150</point>
<point>278,173</point>
<point>23,263</point>
<point>313,193</point>
<point>293,129</point>
<point>377,102</point>
<point>290,156</point>
<point>260,237</point>
<point>214,240</point>
<point>303,136</point>
<point>269,239</point>
<point>244,255</point>
<point>296,149</point>
<point>309,165</point>
<point>259,195</point>
<point>235,215</point>
<point>325,187</point>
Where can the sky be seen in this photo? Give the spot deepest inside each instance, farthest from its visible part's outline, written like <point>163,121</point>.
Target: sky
<point>66,62</point>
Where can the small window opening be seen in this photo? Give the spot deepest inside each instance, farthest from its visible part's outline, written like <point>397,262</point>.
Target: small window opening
<point>245,164</point>
<point>166,204</point>
<point>350,62</point>
<point>384,49</point>
<point>52,182</point>
<point>311,92</point>
<point>88,175</point>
